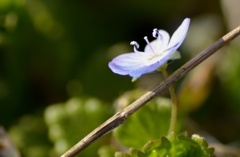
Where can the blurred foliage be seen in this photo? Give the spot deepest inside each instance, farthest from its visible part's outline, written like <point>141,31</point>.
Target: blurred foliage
<point>63,125</point>
<point>53,62</point>
<point>6,148</point>
<point>69,122</point>
<point>151,121</point>
<point>30,136</point>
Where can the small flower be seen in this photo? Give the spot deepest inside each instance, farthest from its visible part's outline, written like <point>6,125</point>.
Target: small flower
<point>155,54</point>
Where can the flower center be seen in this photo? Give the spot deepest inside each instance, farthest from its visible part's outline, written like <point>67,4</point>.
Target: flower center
<point>154,59</point>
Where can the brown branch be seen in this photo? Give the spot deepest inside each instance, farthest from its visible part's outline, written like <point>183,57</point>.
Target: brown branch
<point>120,117</point>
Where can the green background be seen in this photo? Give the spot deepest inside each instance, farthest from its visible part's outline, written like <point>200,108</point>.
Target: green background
<point>54,50</point>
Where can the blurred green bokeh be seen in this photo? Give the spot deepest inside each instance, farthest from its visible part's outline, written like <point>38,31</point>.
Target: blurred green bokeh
<point>54,51</point>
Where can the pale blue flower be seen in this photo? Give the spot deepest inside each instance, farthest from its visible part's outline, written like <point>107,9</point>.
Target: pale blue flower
<point>155,54</point>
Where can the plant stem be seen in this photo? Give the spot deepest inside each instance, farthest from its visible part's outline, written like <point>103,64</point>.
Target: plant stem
<point>174,105</point>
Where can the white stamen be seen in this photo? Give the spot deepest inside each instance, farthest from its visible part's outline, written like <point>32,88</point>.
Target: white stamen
<point>156,34</point>
<point>146,39</point>
<point>135,46</point>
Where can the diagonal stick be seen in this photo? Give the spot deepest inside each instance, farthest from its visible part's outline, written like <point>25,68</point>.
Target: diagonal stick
<point>121,116</point>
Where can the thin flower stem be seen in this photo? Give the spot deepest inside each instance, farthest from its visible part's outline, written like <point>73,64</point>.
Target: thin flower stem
<point>174,105</point>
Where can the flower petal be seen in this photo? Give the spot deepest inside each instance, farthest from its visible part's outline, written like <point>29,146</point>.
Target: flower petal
<point>125,63</point>
<point>179,35</point>
<point>145,69</point>
<point>150,64</point>
<point>165,38</point>
<point>135,64</point>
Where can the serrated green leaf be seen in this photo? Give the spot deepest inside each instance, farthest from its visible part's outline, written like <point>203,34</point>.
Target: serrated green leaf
<point>200,140</point>
<point>203,144</point>
<point>183,135</point>
<point>181,146</point>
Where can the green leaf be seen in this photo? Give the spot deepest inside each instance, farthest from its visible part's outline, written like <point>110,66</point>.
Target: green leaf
<point>203,144</point>
<point>181,146</point>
